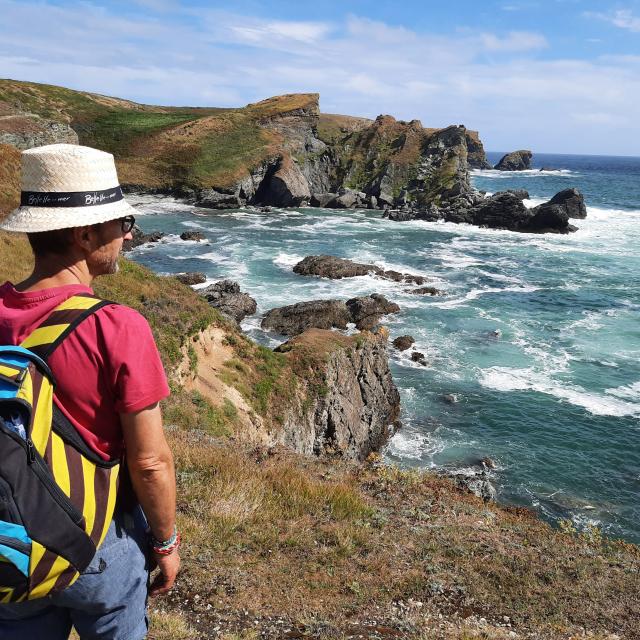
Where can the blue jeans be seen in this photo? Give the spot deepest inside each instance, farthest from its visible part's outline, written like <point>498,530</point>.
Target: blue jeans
<point>107,602</point>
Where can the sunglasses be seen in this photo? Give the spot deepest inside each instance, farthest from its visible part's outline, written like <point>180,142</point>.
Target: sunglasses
<point>127,223</point>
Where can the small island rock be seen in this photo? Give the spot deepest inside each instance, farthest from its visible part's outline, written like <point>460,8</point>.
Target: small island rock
<point>515,161</point>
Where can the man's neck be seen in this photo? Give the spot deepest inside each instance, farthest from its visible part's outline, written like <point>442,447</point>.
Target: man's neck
<point>50,274</point>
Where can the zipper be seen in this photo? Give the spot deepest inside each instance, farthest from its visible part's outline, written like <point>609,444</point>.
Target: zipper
<point>40,468</point>
<point>18,545</point>
<point>44,474</point>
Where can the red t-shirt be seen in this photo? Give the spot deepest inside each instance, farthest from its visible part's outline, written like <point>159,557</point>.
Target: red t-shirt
<point>108,365</point>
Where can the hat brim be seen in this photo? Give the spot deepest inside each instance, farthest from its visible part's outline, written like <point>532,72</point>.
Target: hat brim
<point>38,219</point>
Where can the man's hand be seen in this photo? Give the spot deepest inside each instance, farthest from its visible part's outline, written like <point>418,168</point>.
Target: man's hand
<point>169,566</point>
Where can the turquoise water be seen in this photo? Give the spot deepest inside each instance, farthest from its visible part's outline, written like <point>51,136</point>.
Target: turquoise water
<point>538,336</point>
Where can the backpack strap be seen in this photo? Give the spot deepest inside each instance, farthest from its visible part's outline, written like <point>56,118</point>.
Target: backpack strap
<point>50,333</point>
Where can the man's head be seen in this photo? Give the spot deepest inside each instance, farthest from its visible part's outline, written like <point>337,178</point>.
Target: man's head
<point>99,244</point>
<point>72,207</point>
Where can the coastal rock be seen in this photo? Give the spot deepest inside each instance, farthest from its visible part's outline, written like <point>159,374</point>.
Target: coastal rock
<point>360,404</point>
<point>286,187</point>
<point>515,161</point>
<point>397,215</point>
<point>572,201</point>
<point>140,238</point>
<point>332,267</point>
<point>213,199</point>
<point>336,268</point>
<point>502,210</point>
<point>293,319</point>
<point>321,199</point>
<point>226,296</point>
<point>366,312</point>
<point>418,356</point>
<point>402,343</point>
<point>191,277</point>
<point>549,218</point>
<point>27,130</point>
<point>523,194</point>
<point>296,318</point>
<point>194,236</point>
<point>477,483</point>
<point>344,200</point>
<point>476,156</point>
<point>425,291</point>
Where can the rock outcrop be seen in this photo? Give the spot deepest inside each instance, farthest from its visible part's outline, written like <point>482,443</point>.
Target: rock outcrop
<point>226,296</point>
<point>402,343</point>
<point>286,187</point>
<point>336,268</point>
<point>193,236</point>
<point>476,156</point>
<point>365,312</point>
<point>191,277</point>
<point>572,201</point>
<point>27,130</point>
<point>359,404</point>
<point>140,238</point>
<point>515,161</point>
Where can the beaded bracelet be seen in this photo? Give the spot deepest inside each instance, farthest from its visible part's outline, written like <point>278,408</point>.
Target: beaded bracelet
<point>167,546</point>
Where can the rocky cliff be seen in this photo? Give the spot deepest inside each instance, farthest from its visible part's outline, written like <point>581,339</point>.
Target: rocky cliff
<point>279,151</point>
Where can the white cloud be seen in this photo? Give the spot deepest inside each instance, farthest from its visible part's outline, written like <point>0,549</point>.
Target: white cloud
<point>622,18</point>
<point>359,67</point>
<point>514,41</point>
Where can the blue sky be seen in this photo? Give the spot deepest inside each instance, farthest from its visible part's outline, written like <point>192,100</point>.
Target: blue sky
<point>554,75</point>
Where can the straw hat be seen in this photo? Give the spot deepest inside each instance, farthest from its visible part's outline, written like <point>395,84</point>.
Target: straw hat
<point>66,185</point>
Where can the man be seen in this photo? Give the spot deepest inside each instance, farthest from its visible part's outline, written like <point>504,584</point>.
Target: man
<point>109,381</point>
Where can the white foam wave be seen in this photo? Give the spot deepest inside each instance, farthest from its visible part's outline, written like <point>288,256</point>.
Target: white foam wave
<point>287,260</point>
<point>528,379</point>
<point>626,392</point>
<point>529,173</point>
<point>476,293</point>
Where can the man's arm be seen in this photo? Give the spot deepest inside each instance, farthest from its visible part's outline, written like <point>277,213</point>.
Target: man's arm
<point>150,464</point>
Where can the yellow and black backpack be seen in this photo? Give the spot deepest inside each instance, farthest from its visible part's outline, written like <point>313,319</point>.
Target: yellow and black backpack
<point>57,496</point>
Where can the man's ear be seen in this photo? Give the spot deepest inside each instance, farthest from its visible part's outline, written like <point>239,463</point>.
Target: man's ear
<point>84,237</point>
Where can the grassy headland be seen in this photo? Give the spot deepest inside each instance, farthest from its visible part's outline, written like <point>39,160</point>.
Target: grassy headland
<point>279,545</point>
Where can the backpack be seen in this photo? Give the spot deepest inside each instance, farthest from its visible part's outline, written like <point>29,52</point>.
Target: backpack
<point>57,496</point>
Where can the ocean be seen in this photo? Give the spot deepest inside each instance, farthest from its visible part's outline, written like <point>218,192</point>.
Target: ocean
<point>536,336</point>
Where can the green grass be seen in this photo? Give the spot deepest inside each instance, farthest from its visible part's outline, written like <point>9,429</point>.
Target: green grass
<point>116,130</point>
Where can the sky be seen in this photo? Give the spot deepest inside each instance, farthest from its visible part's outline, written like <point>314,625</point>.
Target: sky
<point>559,76</point>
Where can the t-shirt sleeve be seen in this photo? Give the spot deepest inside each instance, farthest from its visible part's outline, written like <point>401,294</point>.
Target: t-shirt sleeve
<point>135,370</point>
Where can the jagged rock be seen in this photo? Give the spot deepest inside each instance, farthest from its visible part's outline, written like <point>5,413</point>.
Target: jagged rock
<point>515,161</point>
<point>572,201</point>
<point>27,130</point>
<point>332,267</point>
<point>476,157</point>
<point>367,311</point>
<point>212,199</point>
<point>400,216</point>
<point>337,268</point>
<point>450,398</point>
<point>384,199</point>
<point>523,194</point>
<point>425,291</point>
<point>477,483</point>
<point>402,343</point>
<point>286,187</point>
<point>418,356</point>
<point>191,277</point>
<point>502,210</point>
<point>430,213</point>
<point>321,199</point>
<point>226,296</point>
<point>396,276</point>
<point>372,202</point>
<point>550,218</point>
<point>359,406</point>
<point>345,200</point>
<point>195,236</point>
<point>293,319</point>
<point>296,318</point>
<point>140,237</point>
